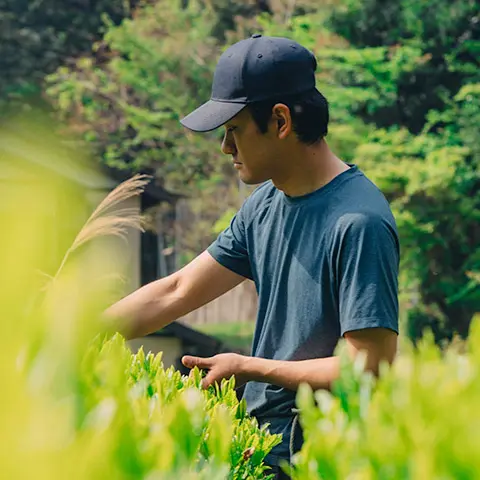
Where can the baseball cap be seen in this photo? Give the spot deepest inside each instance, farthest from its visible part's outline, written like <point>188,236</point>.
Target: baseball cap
<point>251,70</point>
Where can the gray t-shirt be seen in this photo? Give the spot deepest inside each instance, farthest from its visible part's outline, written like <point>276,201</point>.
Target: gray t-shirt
<point>323,264</point>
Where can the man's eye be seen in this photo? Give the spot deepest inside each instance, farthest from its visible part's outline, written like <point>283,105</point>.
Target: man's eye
<point>231,129</point>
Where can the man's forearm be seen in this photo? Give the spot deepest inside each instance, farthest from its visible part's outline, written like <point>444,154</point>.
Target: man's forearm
<point>146,310</point>
<point>319,373</point>
<point>379,345</point>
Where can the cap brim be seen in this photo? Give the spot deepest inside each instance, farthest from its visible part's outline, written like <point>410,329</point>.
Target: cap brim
<point>211,115</point>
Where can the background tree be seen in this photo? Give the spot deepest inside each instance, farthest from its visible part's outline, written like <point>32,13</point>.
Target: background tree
<point>37,37</point>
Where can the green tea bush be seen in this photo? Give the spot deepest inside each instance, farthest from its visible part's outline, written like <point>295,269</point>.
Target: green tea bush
<point>125,416</point>
<point>418,421</point>
<point>165,422</point>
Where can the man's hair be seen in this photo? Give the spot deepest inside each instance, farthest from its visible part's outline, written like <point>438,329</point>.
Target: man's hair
<point>309,115</point>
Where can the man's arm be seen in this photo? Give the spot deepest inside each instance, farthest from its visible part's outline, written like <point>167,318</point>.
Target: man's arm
<point>163,301</point>
<point>379,344</point>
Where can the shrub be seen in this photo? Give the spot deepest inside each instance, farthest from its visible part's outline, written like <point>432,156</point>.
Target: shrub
<point>418,421</point>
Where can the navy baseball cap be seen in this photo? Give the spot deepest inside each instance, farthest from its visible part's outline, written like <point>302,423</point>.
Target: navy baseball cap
<point>258,68</point>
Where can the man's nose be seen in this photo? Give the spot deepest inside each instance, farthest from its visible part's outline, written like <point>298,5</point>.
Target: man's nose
<point>228,145</point>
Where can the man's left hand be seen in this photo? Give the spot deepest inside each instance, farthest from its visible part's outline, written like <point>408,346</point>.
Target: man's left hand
<point>220,366</point>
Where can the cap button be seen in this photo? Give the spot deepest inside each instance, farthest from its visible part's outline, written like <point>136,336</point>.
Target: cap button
<point>256,35</point>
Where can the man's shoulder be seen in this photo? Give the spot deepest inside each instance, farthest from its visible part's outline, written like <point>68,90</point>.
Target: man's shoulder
<point>360,225</point>
<point>361,207</point>
<point>363,185</point>
<point>362,202</point>
<point>361,218</point>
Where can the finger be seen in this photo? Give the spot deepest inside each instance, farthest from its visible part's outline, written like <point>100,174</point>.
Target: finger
<point>190,362</point>
<point>210,379</point>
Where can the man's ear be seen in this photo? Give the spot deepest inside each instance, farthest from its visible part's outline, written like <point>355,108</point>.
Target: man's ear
<point>283,120</point>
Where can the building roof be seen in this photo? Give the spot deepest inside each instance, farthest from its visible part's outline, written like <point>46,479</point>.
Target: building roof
<point>29,153</point>
<point>26,158</point>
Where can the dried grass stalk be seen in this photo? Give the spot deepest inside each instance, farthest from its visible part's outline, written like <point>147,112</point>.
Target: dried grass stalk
<point>105,220</point>
<point>130,188</point>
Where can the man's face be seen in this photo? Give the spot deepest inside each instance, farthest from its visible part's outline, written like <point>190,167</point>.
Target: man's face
<point>254,154</point>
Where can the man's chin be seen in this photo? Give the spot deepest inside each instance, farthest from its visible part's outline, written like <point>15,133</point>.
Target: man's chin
<point>250,179</point>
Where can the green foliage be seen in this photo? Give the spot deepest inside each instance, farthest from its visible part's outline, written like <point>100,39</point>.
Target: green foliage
<point>143,420</point>
<point>433,183</point>
<point>37,37</point>
<point>445,33</point>
<point>160,68</point>
<point>228,13</point>
<point>417,421</point>
<point>164,421</point>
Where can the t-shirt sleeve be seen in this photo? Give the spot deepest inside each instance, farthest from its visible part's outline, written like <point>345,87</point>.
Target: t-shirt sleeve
<point>367,266</point>
<point>230,247</point>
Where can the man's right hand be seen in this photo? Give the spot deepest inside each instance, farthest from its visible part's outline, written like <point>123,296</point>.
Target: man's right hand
<point>163,301</point>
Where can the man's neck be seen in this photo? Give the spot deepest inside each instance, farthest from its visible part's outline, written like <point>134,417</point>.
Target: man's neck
<point>310,168</point>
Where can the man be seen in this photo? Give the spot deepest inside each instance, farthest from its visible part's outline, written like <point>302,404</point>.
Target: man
<point>316,237</point>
